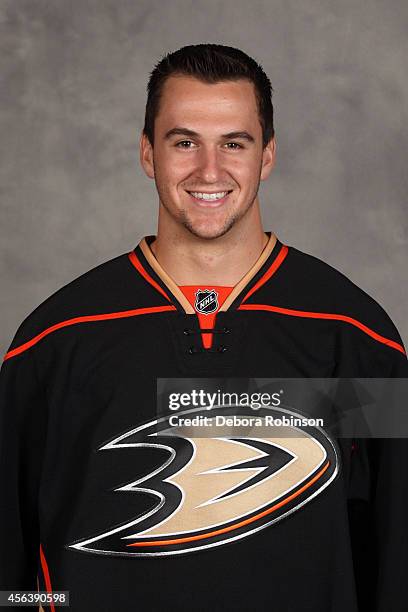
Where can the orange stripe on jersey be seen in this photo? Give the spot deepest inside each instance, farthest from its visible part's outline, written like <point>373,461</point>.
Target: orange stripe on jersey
<point>46,573</point>
<point>133,258</point>
<point>247,521</point>
<point>86,319</point>
<point>326,315</point>
<point>271,270</point>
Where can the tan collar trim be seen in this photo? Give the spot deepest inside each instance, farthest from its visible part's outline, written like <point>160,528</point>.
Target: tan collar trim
<point>240,286</point>
<point>179,295</point>
<point>168,281</point>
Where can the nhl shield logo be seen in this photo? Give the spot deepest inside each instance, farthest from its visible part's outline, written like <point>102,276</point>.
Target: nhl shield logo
<point>206,301</point>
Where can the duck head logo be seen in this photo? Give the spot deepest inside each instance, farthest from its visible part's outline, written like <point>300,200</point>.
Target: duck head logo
<point>206,492</point>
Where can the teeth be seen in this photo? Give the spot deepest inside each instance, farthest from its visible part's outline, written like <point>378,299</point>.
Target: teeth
<point>209,196</point>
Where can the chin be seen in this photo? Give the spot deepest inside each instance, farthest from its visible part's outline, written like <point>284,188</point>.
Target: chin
<point>209,232</point>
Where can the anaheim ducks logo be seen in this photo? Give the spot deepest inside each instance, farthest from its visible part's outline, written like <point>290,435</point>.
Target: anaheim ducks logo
<point>206,301</point>
<point>212,491</point>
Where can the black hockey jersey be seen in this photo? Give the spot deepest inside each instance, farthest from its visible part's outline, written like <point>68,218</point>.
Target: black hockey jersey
<point>96,502</point>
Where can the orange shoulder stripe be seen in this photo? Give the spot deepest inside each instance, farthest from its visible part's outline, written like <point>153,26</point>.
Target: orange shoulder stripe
<point>86,319</point>
<point>325,315</point>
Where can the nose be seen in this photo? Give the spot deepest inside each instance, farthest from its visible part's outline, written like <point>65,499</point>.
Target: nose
<point>209,165</point>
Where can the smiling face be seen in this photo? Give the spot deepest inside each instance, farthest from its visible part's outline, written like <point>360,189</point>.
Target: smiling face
<point>208,158</point>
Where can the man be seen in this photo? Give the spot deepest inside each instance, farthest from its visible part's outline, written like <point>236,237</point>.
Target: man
<point>96,499</point>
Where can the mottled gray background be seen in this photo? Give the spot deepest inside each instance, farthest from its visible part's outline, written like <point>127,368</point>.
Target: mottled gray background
<point>73,79</point>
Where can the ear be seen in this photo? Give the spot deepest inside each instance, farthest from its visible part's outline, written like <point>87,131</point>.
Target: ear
<point>268,159</point>
<point>146,155</point>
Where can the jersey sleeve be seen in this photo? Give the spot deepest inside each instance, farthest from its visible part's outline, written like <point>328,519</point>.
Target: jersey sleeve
<point>22,440</point>
<point>378,516</point>
<point>390,492</point>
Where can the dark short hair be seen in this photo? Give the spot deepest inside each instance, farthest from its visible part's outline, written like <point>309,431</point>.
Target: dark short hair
<point>210,63</point>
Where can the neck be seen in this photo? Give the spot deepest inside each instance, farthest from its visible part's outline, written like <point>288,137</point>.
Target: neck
<point>189,260</point>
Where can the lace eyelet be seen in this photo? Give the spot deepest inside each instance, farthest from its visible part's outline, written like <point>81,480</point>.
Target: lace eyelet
<point>186,332</point>
<point>226,330</point>
<point>222,349</point>
<point>192,350</point>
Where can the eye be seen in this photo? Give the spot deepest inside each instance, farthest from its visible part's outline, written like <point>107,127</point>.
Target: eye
<point>182,142</point>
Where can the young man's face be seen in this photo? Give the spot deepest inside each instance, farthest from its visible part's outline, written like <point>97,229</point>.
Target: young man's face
<point>196,154</point>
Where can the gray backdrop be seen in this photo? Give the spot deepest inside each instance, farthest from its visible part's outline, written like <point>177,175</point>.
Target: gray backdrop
<point>74,74</point>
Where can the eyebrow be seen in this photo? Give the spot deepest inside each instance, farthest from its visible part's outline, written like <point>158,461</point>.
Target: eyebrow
<point>181,131</point>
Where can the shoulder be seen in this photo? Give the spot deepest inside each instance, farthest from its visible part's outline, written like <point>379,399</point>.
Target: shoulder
<point>110,287</point>
<point>308,287</point>
<point>324,287</point>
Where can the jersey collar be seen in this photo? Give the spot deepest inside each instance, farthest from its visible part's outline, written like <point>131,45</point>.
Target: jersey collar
<point>265,266</point>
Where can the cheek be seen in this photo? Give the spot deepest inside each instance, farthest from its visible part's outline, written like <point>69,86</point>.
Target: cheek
<point>244,171</point>
<point>244,175</point>
<point>174,171</point>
